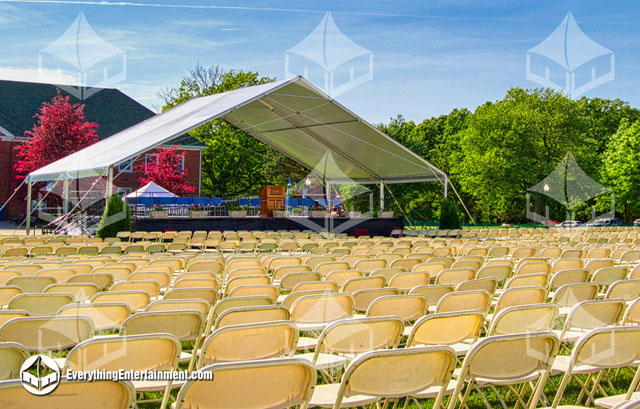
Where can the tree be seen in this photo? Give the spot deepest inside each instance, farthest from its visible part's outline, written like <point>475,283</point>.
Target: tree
<point>449,216</point>
<point>234,163</point>
<point>167,171</point>
<point>622,167</point>
<point>59,131</point>
<point>116,218</point>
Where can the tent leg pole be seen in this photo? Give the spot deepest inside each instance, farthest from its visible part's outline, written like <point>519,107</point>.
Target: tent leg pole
<point>329,202</point>
<point>109,183</point>
<point>28,213</point>
<point>381,197</point>
<point>446,186</point>
<point>65,197</point>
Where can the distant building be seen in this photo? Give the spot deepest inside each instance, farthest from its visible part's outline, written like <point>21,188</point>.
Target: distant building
<point>111,109</point>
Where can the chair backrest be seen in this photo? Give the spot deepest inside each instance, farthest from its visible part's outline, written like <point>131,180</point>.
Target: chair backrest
<point>104,315</point>
<point>527,280</point>
<point>185,325</point>
<point>12,356</point>
<point>70,395</point>
<point>609,275</point>
<point>32,284</point>
<point>341,277</point>
<point>521,296</point>
<point>464,301</point>
<point>363,283</point>
<point>236,302</point>
<point>6,315</point>
<point>290,280</point>
<point>579,275</point>
<point>446,328</point>
<point>330,286</point>
<point>274,383</point>
<point>594,314</point>
<point>40,304</point>
<point>249,342</point>
<point>610,347</point>
<point>249,315</point>
<point>47,333</point>
<point>406,307</point>
<point>364,298</point>
<point>627,290</point>
<point>522,319</point>
<point>80,291</point>
<point>570,294</point>
<point>101,280</point>
<point>208,294</point>
<point>136,300</point>
<point>131,352</point>
<point>319,308</point>
<point>408,281</point>
<point>632,315</point>
<point>199,305</point>
<point>489,284</point>
<point>433,293</point>
<point>247,280</point>
<point>385,373</point>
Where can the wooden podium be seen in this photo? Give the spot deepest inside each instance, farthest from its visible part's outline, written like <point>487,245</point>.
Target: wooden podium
<point>271,198</point>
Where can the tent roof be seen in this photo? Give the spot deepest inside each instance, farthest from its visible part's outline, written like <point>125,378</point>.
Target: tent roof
<point>292,116</point>
<point>151,189</point>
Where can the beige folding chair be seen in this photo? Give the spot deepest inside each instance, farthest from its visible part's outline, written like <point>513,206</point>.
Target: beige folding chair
<point>595,264</point>
<point>464,301</point>
<point>31,284</point>
<point>60,274</point>
<point>40,304</point>
<point>245,271</point>
<point>330,286</point>
<point>208,294</point>
<point>433,293</point>
<point>6,275</point>
<point>313,312</point>
<point>283,270</point>
<point>343,339</point>
<point>109,394</point>
<point>521,296</point>
<point>148,286</point>
<point>7,293</point>
<point>433,268</point>
<point>188,282</point>
<point>12,356</point>
<point>212,266</point>
<point>430,370</point>
<point>456,329</point>
<point>609,275</point>
<point>408,281</point>
<point>527,280</point>
<point>101,280</point>
<point>488,284</point>
<point>249,342</point>
<point>161,277</point>
<point>454,276</point>
<point>499,272</point>
<point>341,277</point>
<point>627,290</point>
<point>595,352</point>
<point>290,280</point>
<point>7,315</point>
<point>199,305</point>
<point>564,277</point>
<point>266,290</point>
<point>80,292</point>
<point>364,298</point>
<point>363,283</point>
<point>368,266</point>
<point>632,315</point>
<point>330,266</point>
<point>47,333</point>
<point>136,300</point>
<point>522,319</point>
<point>508,361</point>
<point>158,352</point>
<point>105,316</point>
<point>249,315</point>
<point>273,383</point>
<point>406,307</point>
<point>186,325</point>
<point>591,314</point>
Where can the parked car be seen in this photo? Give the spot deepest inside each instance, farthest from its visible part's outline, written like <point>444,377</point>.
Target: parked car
<point>606,222</point>
<point>636,222</point>
<point>570,223</point>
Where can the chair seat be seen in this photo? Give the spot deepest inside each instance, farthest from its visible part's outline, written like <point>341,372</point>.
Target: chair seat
<point>561,365</point>
<point>184,357</point>
<point>569,336</point>
<point>306,343</point>
<point>325,361</point>
<point>611,401</point>
<point>325,396</point>
<point>149,386</point>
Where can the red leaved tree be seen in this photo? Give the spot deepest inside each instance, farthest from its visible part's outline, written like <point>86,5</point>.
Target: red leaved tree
<point>166,170</point>
<point>60,131</point>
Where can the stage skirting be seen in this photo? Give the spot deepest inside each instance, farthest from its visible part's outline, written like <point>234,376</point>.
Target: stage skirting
<point>374,226</point>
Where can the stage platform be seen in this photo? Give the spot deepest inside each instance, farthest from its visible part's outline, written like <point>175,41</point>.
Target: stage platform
<point>374,226</point>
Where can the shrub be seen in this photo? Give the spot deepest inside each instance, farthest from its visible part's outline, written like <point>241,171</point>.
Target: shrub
<point>449,216</point>
<point>116,218</point>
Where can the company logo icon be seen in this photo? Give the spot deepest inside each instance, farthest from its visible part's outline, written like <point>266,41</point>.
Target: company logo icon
<point>40,375</point>
<point>342,64</point>
<point>575,55</point>
<point>81,52</point>
<point>570,186</point>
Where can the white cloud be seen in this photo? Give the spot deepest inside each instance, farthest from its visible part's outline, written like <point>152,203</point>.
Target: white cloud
<point>33,74</point>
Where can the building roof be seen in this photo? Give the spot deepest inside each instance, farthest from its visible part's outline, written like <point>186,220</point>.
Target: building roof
<point>110,108</point>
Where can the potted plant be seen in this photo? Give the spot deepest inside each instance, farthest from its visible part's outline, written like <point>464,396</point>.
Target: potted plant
<point>237,211</point>
<point>197,211</point>
<point>158,212</point>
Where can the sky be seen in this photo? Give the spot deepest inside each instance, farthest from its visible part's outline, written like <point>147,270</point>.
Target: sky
<point>415,58</point>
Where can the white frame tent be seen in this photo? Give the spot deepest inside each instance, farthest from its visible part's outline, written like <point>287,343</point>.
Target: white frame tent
<point>292,116</point>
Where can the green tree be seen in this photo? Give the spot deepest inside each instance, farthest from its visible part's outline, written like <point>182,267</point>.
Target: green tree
<point>234,163</point>
<point>622,167</point>
<point>116,218</point>
<point>449,216</point>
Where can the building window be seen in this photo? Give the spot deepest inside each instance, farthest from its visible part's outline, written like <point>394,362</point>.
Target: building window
<point>153,158</point>
<point>126,166</point>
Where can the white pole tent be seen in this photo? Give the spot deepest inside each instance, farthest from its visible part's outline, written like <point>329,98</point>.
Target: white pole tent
<point>151,189</point>
<point>292,116</point>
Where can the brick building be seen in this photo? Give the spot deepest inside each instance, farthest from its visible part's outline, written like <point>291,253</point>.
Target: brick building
<point>111,109</point>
